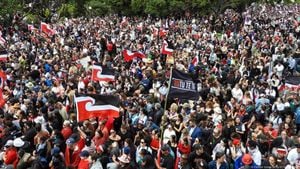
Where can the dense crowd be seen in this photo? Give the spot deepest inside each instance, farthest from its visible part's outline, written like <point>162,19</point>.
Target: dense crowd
<point>244,117</point>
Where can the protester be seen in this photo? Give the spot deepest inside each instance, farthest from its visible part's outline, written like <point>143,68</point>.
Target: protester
<point>243,69</point>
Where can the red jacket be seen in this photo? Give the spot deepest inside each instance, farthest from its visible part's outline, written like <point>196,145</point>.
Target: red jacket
<point>109,47</point>
<point>183,148</point>
<point>72,160</point>
<point>84,164</point>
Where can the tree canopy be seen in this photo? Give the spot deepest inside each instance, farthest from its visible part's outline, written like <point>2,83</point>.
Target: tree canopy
<point>45,9</point>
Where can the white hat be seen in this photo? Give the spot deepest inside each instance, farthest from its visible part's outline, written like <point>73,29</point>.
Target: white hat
<point>67,122</point>
<point>9,143</point>
<point>39,119</point>
<point>124,159</point>
<point>18,142</point>
<point>217,110</point>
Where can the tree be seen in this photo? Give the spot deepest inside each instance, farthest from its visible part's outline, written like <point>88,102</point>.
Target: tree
<point>157,8</point>
<point>8,9</point>
<point>120,7</point>
<point>97,8</point>
<point>138,7</point>
<point>177,7</point>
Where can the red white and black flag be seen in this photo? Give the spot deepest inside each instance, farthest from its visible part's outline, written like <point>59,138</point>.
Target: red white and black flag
<point>92,105</point>
<point>102,74</point>
<point>291,84</point>
<point>31,27</point>
<point>2,40</point>
<point>45,28</point>
<point>3,78</point>
<point>3,55</point>
<point>183,86</point>
<point>129,56</point>
<point>166,50</point>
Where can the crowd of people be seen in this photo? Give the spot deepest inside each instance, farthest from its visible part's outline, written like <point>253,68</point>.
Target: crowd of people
<point>245,116</point>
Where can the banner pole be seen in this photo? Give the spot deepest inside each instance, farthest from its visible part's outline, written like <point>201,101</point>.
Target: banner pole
<point>157,161</point>
<point>169,86</point>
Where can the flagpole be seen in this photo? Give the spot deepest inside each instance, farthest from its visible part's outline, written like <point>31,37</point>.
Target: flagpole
<point>77,113</point>
<point>165,104</point>
<point>169,86</point>
<point>157,161</point>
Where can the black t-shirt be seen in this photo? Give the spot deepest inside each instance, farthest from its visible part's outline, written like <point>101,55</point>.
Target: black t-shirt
<point>227,131</point>
<point>199,160</point>
<point>167,162</point>
<point>149,162</point>
<point>123,136</point>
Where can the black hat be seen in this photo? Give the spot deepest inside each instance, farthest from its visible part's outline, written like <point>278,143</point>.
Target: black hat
<point>84,153</point>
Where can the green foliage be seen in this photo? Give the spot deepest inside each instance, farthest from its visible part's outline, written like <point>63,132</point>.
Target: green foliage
<point>43,9</point>
<point>31,18</point>
<point>8,8</point>
<point>67,10</point>
<point>138,7</point>
<point>80,7</point>
<point>97,8</point>
<point>157,8</point>
<point>177,6</point>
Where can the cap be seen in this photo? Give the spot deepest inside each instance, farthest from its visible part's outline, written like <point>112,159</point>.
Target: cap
<point>126,150</point>
<point>18,142</point>
<point>281,150</point>
<point>217,110</point>
<point>186,105</point>
<point>75,136</point>
<point>9,143</point>
<point>84,153</point>
<point>70,141</point>
<point>141,122</point>
<point>262,95</point>
<point>66,122</point>
<point>55,151</point>
<point>124,159</point>
<point>247,159</point>
<point>165,147</point>
<point>236,141</point>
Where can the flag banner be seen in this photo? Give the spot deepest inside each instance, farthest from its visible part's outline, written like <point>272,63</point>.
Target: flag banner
<point>102,74</point>
<point>161,32</point>
<point>67,104</point>
<point>183,86</point>
<point>195,61</point>
<point>31,27</point>
<point>129,56</point>
<point>46,29</point>
<point>2,79</point>
<point>3,55</point>
<point>124,21</point>
<point>165,50</point>
<point>92,105</point>
<point>292,84</point>
<point>140,26</point>
<point>2,40</point>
